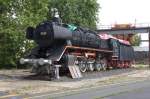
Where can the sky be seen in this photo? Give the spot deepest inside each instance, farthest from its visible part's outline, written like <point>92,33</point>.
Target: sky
<point>124,12</point>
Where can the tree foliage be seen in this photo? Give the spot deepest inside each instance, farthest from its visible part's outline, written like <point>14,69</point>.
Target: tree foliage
<point>16,16</point>
<point>136,40</point>
<point>78,12</point>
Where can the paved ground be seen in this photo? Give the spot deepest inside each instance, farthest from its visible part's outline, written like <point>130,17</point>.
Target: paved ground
<point>125,90</point>
<point>130,90</point>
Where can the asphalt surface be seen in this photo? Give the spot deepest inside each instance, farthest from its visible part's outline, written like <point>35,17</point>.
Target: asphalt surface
<point>126,90</point>
<point>130,90</point>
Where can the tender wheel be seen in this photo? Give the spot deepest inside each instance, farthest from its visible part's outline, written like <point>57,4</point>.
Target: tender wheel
<point>91,67</point>
<point>98,67</point>
<point>82,66</point>
<point>104,64</point>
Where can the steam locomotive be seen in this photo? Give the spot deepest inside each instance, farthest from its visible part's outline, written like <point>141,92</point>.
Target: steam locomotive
<point>61,47</point>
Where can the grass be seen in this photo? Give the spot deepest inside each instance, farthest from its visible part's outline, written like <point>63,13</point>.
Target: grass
<point>141,66</point>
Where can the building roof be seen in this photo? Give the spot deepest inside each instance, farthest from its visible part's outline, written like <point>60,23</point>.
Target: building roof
<point>107,36</point>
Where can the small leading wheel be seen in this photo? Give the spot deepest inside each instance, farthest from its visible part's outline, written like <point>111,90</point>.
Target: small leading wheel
<point>104,64</point>
<point>82,66</point>
<point>98,66</point>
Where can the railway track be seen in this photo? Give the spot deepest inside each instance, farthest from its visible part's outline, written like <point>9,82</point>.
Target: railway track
<point>86,75</point>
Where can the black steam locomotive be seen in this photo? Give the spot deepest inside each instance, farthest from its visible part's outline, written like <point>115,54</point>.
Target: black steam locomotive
<point>62,47</point>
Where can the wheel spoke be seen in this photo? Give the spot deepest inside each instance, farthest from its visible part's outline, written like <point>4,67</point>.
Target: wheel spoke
<point>91,67</point>
<point>98,67</point>
<point>82,66</point>
<point>104,64</point>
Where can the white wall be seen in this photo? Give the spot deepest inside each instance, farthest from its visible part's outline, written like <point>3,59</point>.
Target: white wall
<point>144,37</point>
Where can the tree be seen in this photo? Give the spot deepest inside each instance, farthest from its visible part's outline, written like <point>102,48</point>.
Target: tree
<point>136,40</point>
<point>16,16</point>
<point>78,12</point>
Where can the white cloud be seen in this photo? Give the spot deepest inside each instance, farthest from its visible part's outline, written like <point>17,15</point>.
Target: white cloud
<point>124,11</point>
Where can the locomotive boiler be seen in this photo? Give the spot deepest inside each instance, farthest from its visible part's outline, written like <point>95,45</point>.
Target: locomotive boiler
<point>64,47</point>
